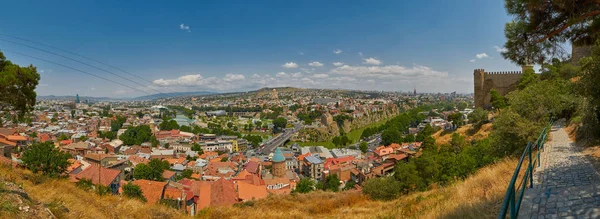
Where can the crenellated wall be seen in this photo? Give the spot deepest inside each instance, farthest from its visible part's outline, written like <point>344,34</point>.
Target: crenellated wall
<point>503,82</point>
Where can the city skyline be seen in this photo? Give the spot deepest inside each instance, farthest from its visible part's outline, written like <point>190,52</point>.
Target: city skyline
<point>389,46</point>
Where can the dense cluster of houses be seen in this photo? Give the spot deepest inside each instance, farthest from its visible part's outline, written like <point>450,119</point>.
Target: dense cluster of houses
<point>219,177</point>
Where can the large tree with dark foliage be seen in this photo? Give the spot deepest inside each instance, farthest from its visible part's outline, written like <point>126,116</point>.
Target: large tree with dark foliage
<point>45,158</point>
<point>17,86</point>
<point>541,27</point>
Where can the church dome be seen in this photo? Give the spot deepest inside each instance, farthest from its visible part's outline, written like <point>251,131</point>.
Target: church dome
<point>278,156</point>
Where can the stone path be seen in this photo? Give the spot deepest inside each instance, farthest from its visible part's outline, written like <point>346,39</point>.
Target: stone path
<point>566,185</point>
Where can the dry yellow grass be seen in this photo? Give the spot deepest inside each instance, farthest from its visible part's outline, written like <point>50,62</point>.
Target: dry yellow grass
<point>444,137</point>
<point>479,196</point>
<point>62,194</point>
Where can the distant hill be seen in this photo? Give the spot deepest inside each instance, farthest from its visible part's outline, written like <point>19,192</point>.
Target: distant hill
<point>174,94</point>
<point>147,97</point>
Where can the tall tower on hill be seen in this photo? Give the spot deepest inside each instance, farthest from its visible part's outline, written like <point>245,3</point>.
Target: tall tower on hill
<point>77,98</point>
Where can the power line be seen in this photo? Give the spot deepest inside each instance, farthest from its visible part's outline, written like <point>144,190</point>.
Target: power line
<point>65,66</point>
<point>75,60</point>
<point>76,54</point>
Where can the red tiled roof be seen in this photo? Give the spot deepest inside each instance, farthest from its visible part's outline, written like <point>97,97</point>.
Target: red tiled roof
<point>152,190</point>
<point>247,191</point>
<point>222,193</point>
<point>106,176</point>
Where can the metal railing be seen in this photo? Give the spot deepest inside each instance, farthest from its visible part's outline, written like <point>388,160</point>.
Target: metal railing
<point>511,200</point>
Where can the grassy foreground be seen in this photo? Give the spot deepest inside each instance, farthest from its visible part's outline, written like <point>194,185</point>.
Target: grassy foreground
<point>65,200</point>
<point>479,196</point>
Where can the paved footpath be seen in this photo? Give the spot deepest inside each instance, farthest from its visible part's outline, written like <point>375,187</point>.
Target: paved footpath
<point>566,185</point>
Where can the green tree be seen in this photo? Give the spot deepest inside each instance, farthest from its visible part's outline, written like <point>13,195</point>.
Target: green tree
<point>45,158</point>
<point>229,125</point>
<point>197,148</point>
<point>478,117</point>
<point>498,101</point>
<point>383,188</point>
<point>168,125</point>
<point>305,185</point>
<point>151,171</point>
<point>187,174</point>
<point>540,29</point>
<point>258,124</point>
<point>137,135</point>
<point>462,106</point>
<point>349,185</point>
<point>185,128</point>
<point>528,77</point>
<point>279,124</point>
<point>17,86</point>
<point>364,147</point>
<point>390,136</point>
<point>224,159</point>
<point>62,137</point>
<point>408,177</point>
<point>456,118</point>
<point>332,183</point>
<point>131,190</point>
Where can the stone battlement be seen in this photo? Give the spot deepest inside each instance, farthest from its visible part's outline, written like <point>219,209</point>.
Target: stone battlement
<point>502,81</point>
<point>504,73</point>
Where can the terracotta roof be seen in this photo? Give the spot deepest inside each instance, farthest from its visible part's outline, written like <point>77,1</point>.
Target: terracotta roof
<point>242,174</point>
<point>135,160</point>
<point>106,176</point>
<point>4,141</point>
<point>65,142</point>
<point>74,165</point>
<point>16,138</point>
<point>247,191</point>
<point>222,193</point>
<point>96,157</point>
<point>252,167</point>
<point>167,174</point>
<point>152,190</point>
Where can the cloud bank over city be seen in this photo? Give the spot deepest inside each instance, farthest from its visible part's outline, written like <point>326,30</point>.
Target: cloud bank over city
<point>368,75</point>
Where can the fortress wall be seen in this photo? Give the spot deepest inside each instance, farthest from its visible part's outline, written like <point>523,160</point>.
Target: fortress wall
<point>503,82</point>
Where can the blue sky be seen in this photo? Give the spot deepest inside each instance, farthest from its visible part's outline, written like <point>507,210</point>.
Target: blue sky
<point>223,46</point>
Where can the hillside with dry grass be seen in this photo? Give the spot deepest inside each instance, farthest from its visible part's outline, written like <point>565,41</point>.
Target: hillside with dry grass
<point>20,188</point>
<point>478,196</point>
<point>470,133</point>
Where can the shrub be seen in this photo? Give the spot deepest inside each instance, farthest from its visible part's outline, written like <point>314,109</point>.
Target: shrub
<point>384,188</point>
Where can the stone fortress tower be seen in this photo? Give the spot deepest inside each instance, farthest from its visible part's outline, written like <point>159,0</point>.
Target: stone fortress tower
<point>278,166</point>
<point>503,82</point>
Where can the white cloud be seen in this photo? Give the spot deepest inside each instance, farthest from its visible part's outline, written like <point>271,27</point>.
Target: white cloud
<point>281,74</point>
<point>388,71</point>
<point>234,77</point>
<point>315,64</point>
<point>296,75</point>
<point>337,51</point>
<point>184,27</point>
<point>320,76</point>
<point>337,64</point>
<point>472,60</point>
<point>372,61</point>
<point>500,49</point>
<point>360,54</point>
<point>482,55</point>
<point>290,65</point>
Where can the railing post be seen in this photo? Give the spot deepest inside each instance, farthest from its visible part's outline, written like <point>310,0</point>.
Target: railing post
<point>530,173</point>
<point>513,210</point>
